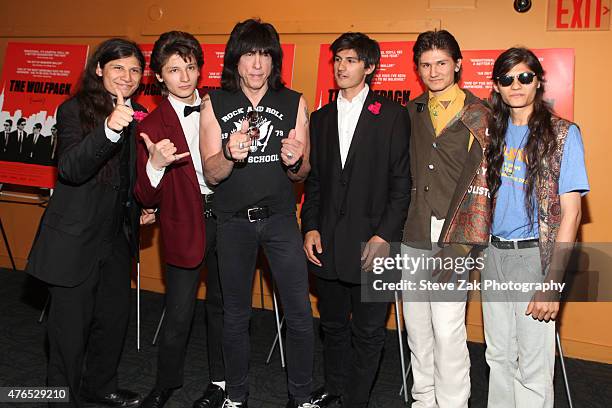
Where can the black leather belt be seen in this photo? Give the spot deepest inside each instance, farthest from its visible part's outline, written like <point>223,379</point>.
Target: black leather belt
<point>207,199</point>
<point>520,244</point>
<point>254,213</point>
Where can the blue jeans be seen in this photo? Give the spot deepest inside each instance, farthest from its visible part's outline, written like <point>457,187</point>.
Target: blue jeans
<point>238,241</point>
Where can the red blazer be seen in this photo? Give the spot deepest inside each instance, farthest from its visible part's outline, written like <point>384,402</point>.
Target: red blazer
<point>178,197</point>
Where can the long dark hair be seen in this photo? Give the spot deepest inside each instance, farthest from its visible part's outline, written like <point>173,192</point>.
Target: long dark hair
<point>252,36</point>
<point>541,141</point>
<point>94,100</point>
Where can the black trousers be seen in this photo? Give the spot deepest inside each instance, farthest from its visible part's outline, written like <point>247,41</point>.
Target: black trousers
<point>281,240</point>
<point>88,323</point>
<point>352,346</point>
<point>181,289</point>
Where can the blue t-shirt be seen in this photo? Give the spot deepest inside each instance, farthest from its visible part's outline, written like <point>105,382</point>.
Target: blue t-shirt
<point>510,220</point>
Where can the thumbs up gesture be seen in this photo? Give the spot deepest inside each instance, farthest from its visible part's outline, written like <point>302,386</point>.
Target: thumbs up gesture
<point>122,115</point>
<point>292,149</point>
<point>162,153</point>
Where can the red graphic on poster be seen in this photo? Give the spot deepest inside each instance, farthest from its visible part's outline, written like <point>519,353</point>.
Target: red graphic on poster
<point>558,64</point>
<point>397,78</point>
<point>36,79</point>
<point>149,92</point>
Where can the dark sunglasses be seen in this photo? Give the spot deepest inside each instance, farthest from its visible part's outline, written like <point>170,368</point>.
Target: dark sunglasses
<point>524,78</point>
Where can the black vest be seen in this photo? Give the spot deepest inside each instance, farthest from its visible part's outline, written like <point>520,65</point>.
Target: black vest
<point>261,179</point>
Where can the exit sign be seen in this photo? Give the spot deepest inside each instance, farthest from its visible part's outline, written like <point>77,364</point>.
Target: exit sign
<point>579,15</point>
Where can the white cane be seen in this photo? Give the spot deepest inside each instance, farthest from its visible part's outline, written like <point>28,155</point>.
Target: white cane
<point>401,348</point>
<point>278,329</point>
<point>138,300</point>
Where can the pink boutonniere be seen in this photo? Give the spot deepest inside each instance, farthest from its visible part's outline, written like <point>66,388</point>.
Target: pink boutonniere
<point>140,115</point>
<point>374,108</point>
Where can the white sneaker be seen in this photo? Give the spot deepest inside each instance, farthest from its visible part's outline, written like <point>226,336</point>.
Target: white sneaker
<point>308,405</point>
<point>228,403</point>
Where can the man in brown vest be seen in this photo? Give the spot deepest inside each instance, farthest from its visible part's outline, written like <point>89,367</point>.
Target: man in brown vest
<point>449,205</point>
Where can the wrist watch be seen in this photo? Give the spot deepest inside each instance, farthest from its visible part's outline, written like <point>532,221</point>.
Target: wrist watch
<point>227,153</point>
<point>296,166</point>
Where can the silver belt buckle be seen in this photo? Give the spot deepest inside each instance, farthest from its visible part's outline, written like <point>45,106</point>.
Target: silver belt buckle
<point>249,213</point>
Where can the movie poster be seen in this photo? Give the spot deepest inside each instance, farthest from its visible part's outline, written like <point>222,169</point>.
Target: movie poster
<point>36,79</point>
<point>397,78</point>
<point>149,92</point>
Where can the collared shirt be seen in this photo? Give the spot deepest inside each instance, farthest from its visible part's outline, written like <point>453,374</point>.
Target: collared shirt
<point>191,128</point>
<point>348,115</point>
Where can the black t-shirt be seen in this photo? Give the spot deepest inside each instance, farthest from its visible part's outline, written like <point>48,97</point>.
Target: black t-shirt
<point>260,179</point>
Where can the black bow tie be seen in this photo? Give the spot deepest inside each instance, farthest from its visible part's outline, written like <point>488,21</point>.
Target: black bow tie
<point>190,109</point>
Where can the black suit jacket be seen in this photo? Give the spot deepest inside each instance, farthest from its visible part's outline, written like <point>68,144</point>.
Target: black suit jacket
<point>369,196</point>
<point>31,150</point>
<point>65,250</point>
<point>14,149</point>
<point>3,142</point>
<point>41,150</point>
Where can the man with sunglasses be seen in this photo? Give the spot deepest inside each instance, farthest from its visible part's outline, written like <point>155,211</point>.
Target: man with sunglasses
<point>4,138</point>
<point>15,142</point>
<point>537,175</point>
<point>449,208</point>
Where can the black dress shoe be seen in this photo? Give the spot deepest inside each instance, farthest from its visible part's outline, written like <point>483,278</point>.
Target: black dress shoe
<point>157,398</point>
<point>119,398</point>
<point>324,399</point>
<point>213,397</point>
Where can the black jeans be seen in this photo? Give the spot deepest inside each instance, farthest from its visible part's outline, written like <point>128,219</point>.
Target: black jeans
<point>181,289</point>
<point>88,323</point>
<point>238,243</point>
<point>347,321</point>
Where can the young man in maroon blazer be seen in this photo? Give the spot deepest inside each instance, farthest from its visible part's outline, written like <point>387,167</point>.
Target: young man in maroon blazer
<point>170,178</point>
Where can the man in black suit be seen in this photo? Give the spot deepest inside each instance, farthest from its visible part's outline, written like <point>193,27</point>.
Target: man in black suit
<point>53,145</point>
<point>358,191</point>
<point>36,146</point>
<point>14,146</point>
<point>89,230</point>
<point>4,138</point>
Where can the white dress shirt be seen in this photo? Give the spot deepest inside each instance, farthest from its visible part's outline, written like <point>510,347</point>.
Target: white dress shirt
<point>191,128</point>
<point>348,115</point>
